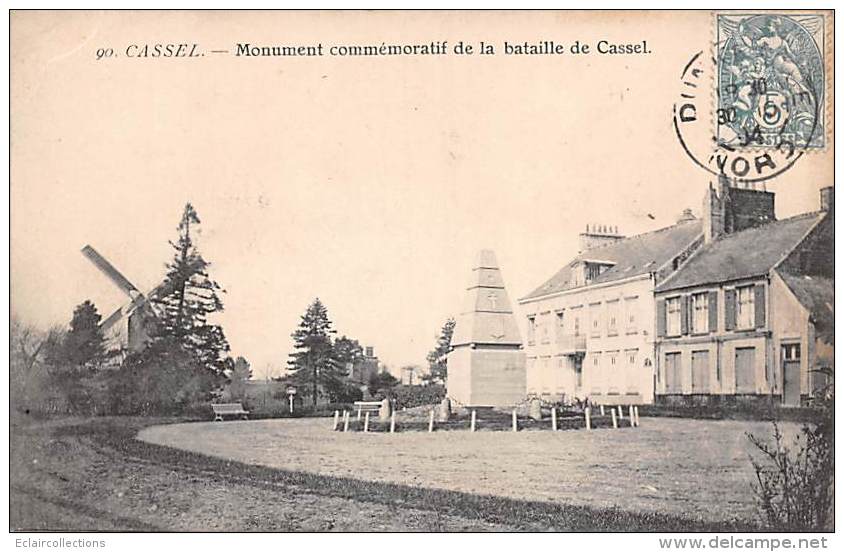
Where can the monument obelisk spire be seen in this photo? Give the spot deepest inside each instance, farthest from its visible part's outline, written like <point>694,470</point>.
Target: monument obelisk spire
<point>486,365</point>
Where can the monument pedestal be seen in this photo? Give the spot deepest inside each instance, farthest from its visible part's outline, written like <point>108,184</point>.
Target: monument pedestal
<point>486,365</point>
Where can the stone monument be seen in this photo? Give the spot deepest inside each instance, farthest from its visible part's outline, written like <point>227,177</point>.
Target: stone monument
<point>486,365</point>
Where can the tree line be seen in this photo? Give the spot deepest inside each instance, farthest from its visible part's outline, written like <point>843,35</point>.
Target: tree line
<point>185,362</point>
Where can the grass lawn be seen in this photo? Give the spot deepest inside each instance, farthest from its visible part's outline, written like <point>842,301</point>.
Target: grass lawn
<point>93,474</point>
<point>677,473</point>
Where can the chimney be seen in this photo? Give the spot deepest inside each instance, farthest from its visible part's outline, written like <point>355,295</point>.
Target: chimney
<point>598,235</point>
<point>686,216</point>
<point>732,209</point>
<point>828,199</point>
<point>713,215</point>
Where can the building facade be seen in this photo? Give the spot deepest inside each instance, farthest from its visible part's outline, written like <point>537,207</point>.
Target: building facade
<point>750,313</point>
<point>591,326</point>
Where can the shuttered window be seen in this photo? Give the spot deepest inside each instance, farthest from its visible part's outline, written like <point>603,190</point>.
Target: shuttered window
<point>729,309</point>
<point>673,316</point>
<point>673,376</point>
<point>744,307</point>
<point>660,318</point>
<point>713,311</point>
<point>700,313</point>
<point>759,304</point>
<point>745,370</point>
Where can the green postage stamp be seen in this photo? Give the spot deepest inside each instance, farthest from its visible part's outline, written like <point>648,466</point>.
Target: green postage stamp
<point>771,80</point>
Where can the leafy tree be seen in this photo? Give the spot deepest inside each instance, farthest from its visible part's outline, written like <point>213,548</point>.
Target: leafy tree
<point>164,378</point>
<point>239,373</point>
<point>382,382</point>
<point>313,364</point>
<point>32,385</point>
<point>347,351</point>
<point>188,297</point>
<point>437,363</point>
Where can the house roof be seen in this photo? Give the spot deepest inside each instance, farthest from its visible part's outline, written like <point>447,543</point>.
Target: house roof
<point>817,294</point>
<point>640,254</point>
<point>745,254</point>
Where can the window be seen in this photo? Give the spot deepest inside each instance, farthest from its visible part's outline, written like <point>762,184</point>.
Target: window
<point>612,317</point>
<point>576,322</point>
<point>744,307</point>
<point>673,380</point>
<point>595,315</point>
<point>544,322</point>
<point>700,372</point>
<point>561,330</point>
<point>578,371</point>
<point>746,370</point>
<point>672,310</point>
<point>700,313</point>
<point>531,329</point>
<point>596,375</point>
<point>791,351</point>
<point>631,358</point>
<point>630,305</point>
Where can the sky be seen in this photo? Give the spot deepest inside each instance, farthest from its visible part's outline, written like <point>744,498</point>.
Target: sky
<point>370,183</point>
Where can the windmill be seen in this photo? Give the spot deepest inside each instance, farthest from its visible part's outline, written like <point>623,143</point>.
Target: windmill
<point>129,326</point>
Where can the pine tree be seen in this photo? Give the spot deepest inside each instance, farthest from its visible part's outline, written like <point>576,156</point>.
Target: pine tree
<point>313,364</point>
<point>437,357</point>
<point>84,344</point>
<point>190,296</point>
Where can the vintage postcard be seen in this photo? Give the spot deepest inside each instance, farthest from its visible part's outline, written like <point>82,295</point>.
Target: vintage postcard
<point>435,271</point>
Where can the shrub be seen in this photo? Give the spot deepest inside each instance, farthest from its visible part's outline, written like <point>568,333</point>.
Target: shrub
<point>794,486</point>
<point>410,396</point>
<point>163,379</point>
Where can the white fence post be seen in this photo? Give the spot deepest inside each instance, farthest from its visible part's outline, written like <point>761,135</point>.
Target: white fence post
<point>636,412</point>
<point>393,422</point>
<point>554,418</point>
<point>588,415</point>
<point>602,411</point>
<point>632,418</point>
<point>474,418</point>
<point>345,421</point>
<point>515,421</point>
<point>620,412</point>
<point>431,422</point>
<point>366,423</point>
<point>336,420</point>
<point>614,420</point>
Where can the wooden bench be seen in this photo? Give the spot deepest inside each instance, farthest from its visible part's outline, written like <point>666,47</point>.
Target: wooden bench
<point>229,409</point>
<point>367,406</point>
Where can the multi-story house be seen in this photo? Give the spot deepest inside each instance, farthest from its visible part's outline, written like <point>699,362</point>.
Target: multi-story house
<point>591,326</point>
<point>750,314</point>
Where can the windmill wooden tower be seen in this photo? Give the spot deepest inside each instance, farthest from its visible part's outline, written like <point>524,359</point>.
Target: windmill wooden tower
<point>129,327</point>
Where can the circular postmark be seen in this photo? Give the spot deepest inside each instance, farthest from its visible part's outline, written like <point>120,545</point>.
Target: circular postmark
<point>766,110</point>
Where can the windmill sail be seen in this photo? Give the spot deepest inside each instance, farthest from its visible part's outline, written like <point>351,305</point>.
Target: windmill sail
<point>110,272</point>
